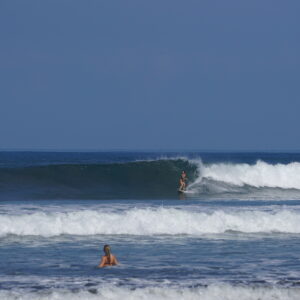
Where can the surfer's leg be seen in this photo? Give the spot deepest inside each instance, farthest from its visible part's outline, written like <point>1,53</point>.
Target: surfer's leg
<point>182,186</point>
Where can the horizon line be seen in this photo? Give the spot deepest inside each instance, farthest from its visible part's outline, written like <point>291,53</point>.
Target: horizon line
<point>65,150</point>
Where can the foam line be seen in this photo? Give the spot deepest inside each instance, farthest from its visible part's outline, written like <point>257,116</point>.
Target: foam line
<point>213,292</point>
<point>149,222</point>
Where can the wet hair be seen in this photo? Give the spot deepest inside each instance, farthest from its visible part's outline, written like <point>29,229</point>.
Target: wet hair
<point>106,250</point>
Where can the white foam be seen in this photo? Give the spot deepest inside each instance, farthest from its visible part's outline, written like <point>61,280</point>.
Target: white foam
<point>261,174</point>
<point>214,292</point>
<point>149,221</point>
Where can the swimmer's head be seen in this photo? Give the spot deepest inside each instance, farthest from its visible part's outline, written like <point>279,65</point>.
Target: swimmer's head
<point>106,250</point>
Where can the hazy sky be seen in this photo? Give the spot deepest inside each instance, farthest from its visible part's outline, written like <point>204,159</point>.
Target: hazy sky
<point>165,75</point>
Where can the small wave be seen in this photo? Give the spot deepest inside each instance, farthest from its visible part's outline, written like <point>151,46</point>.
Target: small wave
<point>212,292</point>
<point>166,221</point>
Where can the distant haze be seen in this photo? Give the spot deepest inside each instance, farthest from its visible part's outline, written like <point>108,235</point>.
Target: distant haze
<point>160,75</point>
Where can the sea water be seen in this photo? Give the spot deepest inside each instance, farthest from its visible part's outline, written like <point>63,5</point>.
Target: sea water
<point>235,233</point>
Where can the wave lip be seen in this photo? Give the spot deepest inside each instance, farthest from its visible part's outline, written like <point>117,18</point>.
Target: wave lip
<point>160,221</point>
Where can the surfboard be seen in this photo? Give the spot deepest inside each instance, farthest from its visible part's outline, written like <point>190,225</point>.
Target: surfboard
<point>180,191</point>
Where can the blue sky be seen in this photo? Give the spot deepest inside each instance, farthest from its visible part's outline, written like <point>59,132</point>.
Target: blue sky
<point>163,75</point>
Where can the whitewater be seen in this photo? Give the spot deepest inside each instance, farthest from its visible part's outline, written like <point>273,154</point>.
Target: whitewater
<point>234,234</point>
<point>261,174</point>
<point>150,221</point>
<point>215,292</point>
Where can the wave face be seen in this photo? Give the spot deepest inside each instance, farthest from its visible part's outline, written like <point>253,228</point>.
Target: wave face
<point>160,221</point>
<point>140,179</point>
<point>212,292</point>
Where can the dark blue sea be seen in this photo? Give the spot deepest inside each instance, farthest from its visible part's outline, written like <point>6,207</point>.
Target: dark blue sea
<point>234,233</point>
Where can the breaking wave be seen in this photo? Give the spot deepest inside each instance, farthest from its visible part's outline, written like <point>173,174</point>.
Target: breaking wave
<point>212,292</point>
<point>259,175</point>
<point>149,221</point>
<point>153,179</point>
<point>260,180</point>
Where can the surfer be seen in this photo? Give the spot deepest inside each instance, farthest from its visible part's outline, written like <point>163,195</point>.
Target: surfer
<point>182,181</point>
<point>108,259</point>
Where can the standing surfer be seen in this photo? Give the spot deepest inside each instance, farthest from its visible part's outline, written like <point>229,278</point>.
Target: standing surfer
<point>182,181</point>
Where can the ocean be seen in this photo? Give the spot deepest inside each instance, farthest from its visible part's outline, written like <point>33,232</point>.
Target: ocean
<point>234,234</point>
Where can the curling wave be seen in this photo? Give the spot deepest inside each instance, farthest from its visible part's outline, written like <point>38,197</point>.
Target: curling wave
<point>169,221</point>
<point>140,179</point>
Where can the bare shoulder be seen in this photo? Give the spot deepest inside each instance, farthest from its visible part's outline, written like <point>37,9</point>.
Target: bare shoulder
<point>104,258</point>
<point>114,259</point>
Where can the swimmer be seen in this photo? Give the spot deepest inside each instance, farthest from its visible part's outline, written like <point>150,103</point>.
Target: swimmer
<point>182,181</point>
<point>108,259</point>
